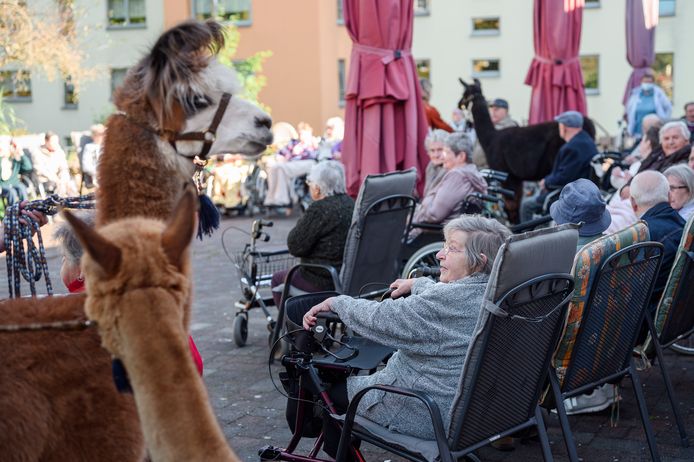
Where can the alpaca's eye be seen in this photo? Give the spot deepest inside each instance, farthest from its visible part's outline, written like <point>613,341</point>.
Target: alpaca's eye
<point>201,102</point>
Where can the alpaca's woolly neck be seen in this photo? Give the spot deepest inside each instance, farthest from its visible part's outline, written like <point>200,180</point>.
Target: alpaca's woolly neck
<point>172,403</point>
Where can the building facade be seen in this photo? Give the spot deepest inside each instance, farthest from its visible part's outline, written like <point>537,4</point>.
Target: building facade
<point>491,40</point>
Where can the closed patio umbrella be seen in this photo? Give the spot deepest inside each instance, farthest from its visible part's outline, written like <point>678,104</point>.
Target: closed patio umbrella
<point>555,72</point>
<point>385,125</point>
<point>641,21</point>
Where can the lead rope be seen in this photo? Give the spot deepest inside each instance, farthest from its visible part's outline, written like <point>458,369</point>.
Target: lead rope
<point>30,263</point>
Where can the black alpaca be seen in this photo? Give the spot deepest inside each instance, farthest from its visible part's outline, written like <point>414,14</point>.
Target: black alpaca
<point>526,153</point>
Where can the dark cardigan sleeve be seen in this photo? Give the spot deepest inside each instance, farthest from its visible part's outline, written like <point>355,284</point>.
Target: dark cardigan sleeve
<point>307,231</point>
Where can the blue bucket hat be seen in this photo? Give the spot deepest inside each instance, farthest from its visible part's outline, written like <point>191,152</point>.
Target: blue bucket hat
<point>572,119</point>
<point>581,201</point>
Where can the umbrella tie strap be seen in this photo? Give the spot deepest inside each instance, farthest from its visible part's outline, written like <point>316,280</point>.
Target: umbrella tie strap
<point>387,55</point>
<point>557,61</point>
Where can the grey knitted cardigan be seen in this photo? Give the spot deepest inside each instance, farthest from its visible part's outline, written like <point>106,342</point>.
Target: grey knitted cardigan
<point>431,330</point>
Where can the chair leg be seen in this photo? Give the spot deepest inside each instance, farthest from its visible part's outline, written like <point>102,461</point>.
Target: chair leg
<point>648,429</point>
<point>563,419</point>
<point>668,386</point>
<point>542,432</point>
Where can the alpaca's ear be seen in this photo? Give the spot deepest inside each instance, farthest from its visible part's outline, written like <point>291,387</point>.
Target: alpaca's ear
<point>107,255</point>
<point>179,230</point>
<point>462,82</point>
<point>477,82</point>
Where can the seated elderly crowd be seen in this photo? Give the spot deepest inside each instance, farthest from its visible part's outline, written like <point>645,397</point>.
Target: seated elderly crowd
<point>660,192</point>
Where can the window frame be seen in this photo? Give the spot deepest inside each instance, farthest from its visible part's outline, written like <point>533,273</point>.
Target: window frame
<point>14,98</point>
<point>596,90</point>
<point>114,87</point>
<point>485,32</point>
<point>341,81</point>
<point>486,74</point>
<point>127,24</point>
<point>340,12</point>
<point>239,23</point>
<point>426,11</point>
<point>66,104</point>
<point>668,14</point>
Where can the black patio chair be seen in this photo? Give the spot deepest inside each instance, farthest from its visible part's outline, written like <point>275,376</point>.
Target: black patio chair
<point>609,327</point>
<point>674,317</point>
<point>508,360</point>
<point>382,214</point>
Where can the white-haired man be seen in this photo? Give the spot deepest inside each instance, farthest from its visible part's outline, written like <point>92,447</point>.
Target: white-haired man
<point>649,199</point>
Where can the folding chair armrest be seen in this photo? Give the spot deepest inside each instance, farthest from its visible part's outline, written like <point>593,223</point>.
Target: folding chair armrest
<point>290,274</point>
<point>432,407</point>
<point>427,226</point>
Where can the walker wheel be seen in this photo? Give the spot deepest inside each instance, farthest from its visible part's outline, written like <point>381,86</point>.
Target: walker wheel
<point>240,329</point>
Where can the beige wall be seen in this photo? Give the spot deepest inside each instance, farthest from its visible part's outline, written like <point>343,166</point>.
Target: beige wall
<point>445,38</point>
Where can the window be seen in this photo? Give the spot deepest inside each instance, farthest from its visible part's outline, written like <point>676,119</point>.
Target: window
<point>486,68</point>
<point>592,4</point>
<point>70,97</point>
<point>590,67</point>
<point>485,26</point>
<point>421,7</point>
<point>340,11</point>
<point>236,11</point>
<point>341,83</point>
<point>126,13</point>
<point>667,7</point>
<point>423,68</point>
<point>16,85</point>
<point>663,68</point>
<point>117,78</point>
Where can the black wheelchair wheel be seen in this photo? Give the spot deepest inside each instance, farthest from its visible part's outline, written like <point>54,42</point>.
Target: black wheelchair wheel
<point>426,256</point>
<point>240,329</point>
<point>684,346</point>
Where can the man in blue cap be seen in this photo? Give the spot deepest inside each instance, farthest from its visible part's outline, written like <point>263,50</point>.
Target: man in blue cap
<point>581,202</point>
<point>572,161</point>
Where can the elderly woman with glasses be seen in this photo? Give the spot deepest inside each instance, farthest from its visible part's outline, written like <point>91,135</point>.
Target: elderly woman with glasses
<point>431,330</point>
<point>681,180</point>
<point>320,234</point>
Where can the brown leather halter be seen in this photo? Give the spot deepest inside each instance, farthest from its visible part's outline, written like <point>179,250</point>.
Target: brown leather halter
<point>208,136</point>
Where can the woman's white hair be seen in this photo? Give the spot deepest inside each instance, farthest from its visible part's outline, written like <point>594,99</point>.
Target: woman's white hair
<point>435,136</point>
<point>678,124</point>
<point>649,188</point>
<point>329,176</point>
<point>484,236</point>
<point>685,175</point>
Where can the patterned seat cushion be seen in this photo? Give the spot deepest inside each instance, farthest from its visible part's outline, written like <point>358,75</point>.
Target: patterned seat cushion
<point>586,264</point>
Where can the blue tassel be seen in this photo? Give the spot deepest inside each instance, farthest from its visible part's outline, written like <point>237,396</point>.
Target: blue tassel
<point>120,376</point>
<point>209,217</point>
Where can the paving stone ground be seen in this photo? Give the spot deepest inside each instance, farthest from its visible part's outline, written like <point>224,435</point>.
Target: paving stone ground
<point>251,411</point>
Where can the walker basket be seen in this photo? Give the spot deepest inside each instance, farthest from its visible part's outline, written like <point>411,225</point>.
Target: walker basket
<point>255,268</point>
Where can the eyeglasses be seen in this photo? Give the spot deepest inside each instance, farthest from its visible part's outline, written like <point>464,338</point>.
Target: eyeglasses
<point>448,249</point>
<point>675,188</point>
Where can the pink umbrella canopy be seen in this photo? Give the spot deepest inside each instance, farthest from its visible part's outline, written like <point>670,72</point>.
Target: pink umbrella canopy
<point>555,73</point>
<point>641,21</point>
<point>385,125</point>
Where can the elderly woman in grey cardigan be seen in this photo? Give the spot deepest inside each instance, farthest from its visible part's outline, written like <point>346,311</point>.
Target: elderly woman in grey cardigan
<point>431,329</point>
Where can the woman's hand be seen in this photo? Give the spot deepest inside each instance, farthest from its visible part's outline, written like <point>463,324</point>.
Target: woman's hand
<point>401,287</point>
<point>310,316</point>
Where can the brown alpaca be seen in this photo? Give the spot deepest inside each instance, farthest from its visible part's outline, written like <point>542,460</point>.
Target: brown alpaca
<point>137,273</point>
<point>61,402</point>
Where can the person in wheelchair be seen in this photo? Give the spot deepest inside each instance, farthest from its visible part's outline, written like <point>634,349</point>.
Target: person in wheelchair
<point>431,330</point>
<point>444,201</point>
<point>320,234</point>
<point>13,163</point>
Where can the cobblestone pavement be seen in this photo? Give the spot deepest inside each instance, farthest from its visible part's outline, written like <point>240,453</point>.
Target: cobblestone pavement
<point>251,411</point>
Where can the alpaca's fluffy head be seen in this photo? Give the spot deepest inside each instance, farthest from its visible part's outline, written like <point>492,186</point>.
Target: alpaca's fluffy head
<point>140,256</point>
<point>179,85</point>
